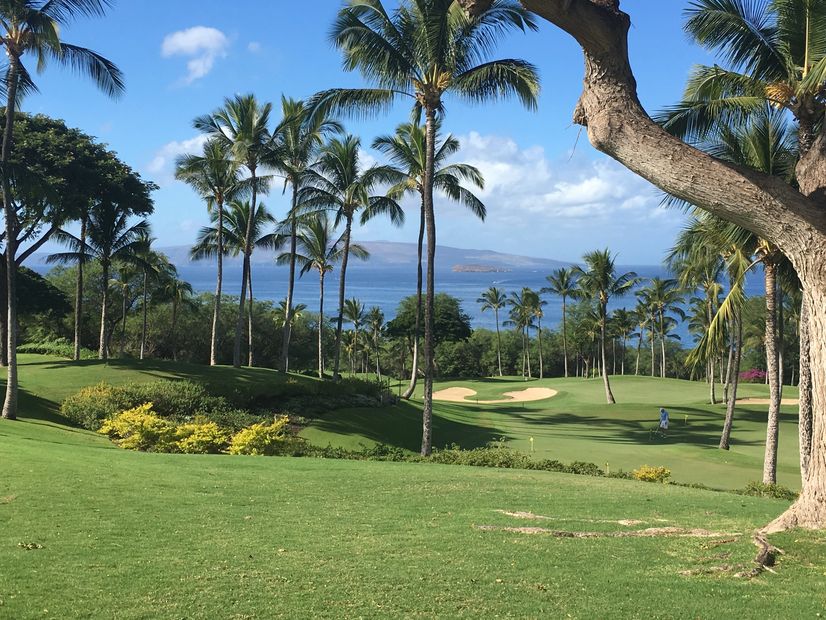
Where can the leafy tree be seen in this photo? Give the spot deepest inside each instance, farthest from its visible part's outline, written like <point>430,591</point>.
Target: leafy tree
<point>424,51</point>
<point>451,322</point>
<point>32,28</point>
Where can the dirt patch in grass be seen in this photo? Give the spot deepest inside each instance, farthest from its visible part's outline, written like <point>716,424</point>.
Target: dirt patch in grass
<point>534,517</point>
<point>650,532</point>
<point>461,394</point>
<point>766,401</point>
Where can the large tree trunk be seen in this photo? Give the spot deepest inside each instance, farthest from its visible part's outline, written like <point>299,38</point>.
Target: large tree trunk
<point>731,403</point>
<point>773,374</point>
<point>414,373</point>
<point>321,324</point>
<point>79,289</point>
<point>765,205</point>
<point>348,227</point>
<point>288,324</point>
<point>4,300</point>
<point>216,310</point>
<point>430,225</point>
<point>103,352</point>
<point>10,402</point>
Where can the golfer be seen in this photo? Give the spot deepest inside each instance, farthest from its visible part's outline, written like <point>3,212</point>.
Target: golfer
<point>663,419</point>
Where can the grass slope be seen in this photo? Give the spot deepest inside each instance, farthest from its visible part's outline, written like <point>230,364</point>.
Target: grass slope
<point>132,535</point>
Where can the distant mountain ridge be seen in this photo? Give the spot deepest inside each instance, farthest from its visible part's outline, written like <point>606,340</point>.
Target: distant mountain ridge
<point>397,254</point>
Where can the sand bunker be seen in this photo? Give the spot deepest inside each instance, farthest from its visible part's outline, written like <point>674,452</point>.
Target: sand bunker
<point>766,401</point>
<point>460,395</point>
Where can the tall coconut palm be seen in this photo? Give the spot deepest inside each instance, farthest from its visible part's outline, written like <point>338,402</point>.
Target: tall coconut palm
<point>664,297</point>
<point>215,175</point>
<point>241,127</point>
<point>152,266</point>
<point>355,315</point>
<point>110,237</point>
<point>375,321</point>
<point>337,183</point>
<point>318,249</point>
<point>127,276</point>
<point>424,51</point>
<point>522,318</point>
<point>624,322</point>
<point>296,143</point>
<point>32,28</point>
<point>563,282</point>
<point>241,235</point>
<point>495,299</point>
<point>179,294</point>
<point>407,153</point>
<point>599,280</point>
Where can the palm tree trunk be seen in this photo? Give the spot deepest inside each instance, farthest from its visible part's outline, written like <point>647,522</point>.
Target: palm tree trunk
<point>123,312</point>
<point>773,374</point>
<point>414,373</point>
<point>639,348</point>
<point>341,284</point>
<point>216,310</point>
<point>145,301</point>
<point>609,395</point>
<point>430,224</point>
<point>173,335</point>
<point>564,337</point>
<point>239,325</point>
<point>622,364</point>
<point>79,289</point>
<point>725,438</point>
<point>662,343</point>
<point>805,388</point>
<point>287,331</point>
<point>378,360</point>
<point>539,338</point>
<point>613,356</point>
<point>498,340</point>
<point>250,350</point>
<point>321,324</point>
<point>102,349</point>
<point>10,402</point>
<point>4,350</point>
<point>528,351</point>
<point>712,395</point>
<point>653,333</point>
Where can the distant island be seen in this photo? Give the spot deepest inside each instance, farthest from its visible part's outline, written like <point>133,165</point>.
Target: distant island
<point>479,269</point>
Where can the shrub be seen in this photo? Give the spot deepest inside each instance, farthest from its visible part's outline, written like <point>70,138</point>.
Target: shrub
<point>140,429</point>
<point>93,404</point>
<point>759,489</point>
<point>201,437</point>
<point>493,455</point>
<point>647,473</point>
<point>753,375</point>
<point>59,347</point>
<point>260,439</point>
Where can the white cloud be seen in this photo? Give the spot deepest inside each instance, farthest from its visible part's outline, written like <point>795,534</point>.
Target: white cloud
<point>164,159</point>
<point>254,47</point>
<point>202,45</point>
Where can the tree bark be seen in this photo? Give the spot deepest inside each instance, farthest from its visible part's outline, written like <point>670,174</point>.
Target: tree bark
<point>639,349</point>
<point>124,310</point>
<point>250,332</point>
<point>103,352</point>
<point>145,304</point>
<point>10,402</point>
<point>725,437</point>
<point>216,310</point>
<point>539,340</point>
<point>414,372</point>
<point>805,389</point>
<point>773,374</point>
<point>603,311</point>
<point>341,288</point>
<point>79,289</point>
<point>239,325</point>
<point>565,337</point>
<point>287,331</point>
<point>662,344</point>
<point>499,344</point>
<point>430,225</point>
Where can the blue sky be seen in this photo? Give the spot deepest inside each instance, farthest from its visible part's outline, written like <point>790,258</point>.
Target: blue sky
<point>548,193</point>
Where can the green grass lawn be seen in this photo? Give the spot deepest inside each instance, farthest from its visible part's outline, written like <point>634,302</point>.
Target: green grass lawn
<point>133,535</point>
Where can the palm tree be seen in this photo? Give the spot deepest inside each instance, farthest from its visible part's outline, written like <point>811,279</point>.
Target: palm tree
<point>495,299</point>
<point>375,320</point>
<point>355,315</point>
<point>600,282</point>
<point>152,266</point>
<point>178,293</point>
<point>317,249</point>
<point>241,235</point>
<point>521,317</point>
<point>624,322</point>
<point>642,318</point>
<point>32,28</point>
<point>563,282</point>
<point>407,153</point>
<point>215,176</point>
<point>110,237</point>
<point>337,183</point>
<point>127,275</point>
<point>296,143</point>
<point>664,296</point>
<point>424,51</point>
<point>240,126</point>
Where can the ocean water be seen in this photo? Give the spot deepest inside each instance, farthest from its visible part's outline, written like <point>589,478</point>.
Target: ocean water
<point>386,286</point>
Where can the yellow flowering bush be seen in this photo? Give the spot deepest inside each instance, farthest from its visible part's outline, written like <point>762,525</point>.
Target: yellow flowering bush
<point>201,437</point>
<point>260,439</point>
<point>140,429</point>
<point>647,473</point>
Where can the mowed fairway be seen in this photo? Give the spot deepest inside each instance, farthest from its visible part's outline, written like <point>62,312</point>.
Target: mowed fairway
<point>577,425</point>
<point>132,535</point>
